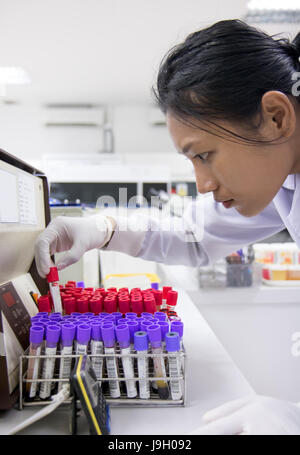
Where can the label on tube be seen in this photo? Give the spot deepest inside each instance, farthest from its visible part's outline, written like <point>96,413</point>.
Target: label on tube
<point>143,372</point>
<point>128,373</point>
<point>174,370</point>
<point>33,373</point>
<point>112,372</point>
<point>97,362</point>
<point>48,370</point>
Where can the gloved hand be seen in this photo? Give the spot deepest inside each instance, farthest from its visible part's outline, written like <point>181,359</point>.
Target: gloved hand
<point>74,235</point>
<point>253,415</point>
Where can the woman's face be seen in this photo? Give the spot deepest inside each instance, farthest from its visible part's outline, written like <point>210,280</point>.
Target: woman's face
<point>245,177</point>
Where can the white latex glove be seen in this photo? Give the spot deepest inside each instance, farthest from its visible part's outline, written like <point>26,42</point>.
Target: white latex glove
<point>252,415</point>
<point>71,234</point>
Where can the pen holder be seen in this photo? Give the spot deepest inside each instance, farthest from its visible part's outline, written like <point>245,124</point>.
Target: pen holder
<point>239,275</point>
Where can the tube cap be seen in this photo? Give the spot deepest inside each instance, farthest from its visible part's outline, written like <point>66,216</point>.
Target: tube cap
<point>83,333</point>
<point>154,286</point>
<point>177,326</point>
<point>108,334</point>
<point>80,284</point>
<point>123,335</point>
<point>124,304</point>
<point>36,334</point>
<point>154,334</point>
<point>172,297</point>
<point>145,324</point>
<point>70,305</point>
<point>52,333</point>
<point>165,291</point>
<point>44,304</point>
<point>164,327</point>
<point>172,342</point>
<point>82,305</point>
<point>52,275</point>
<point>141,341</point>
<point>117,316</point>
<point>146,315</point>
<point>133,327</point>
<point>67,333</point>
<point>96,304</point>
<point>131,315</point>
<point>96,331</point>
<point>160,315</point>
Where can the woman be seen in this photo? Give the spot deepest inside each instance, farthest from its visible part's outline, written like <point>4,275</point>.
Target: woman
<point>231,98</point>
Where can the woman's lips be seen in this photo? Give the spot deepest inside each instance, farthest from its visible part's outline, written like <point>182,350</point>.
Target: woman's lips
<point>227,204</point>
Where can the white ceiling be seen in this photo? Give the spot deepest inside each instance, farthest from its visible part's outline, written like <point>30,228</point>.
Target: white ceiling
<point>98,51</point>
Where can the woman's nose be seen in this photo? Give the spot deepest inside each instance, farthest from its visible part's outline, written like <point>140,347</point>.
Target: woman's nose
<point>205,184</point>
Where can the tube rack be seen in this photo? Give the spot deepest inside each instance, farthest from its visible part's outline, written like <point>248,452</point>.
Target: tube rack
<point>124,401</point>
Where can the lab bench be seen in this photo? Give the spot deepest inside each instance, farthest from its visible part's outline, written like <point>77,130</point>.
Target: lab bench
<point>212,378</point>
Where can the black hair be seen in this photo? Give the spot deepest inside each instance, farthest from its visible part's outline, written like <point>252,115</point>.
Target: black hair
<point>222,72</point>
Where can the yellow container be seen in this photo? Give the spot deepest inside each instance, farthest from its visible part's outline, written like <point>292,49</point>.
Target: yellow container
<point>278,272</point>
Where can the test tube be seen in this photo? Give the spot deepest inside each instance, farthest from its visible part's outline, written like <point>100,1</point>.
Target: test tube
<point>177,326</point>
<point>69,305</point>
<point>164,328</point>
<point>82,305</point>
<point>44,304</point>
<point>158,299</point>
<point>97,349</point>
<point>96,304</point>
<point>141,346</point>
<point>52,279</point>
<point>154,334</point>
<point>173,348</point>
<point>165,291</point>
<point>66,349</point>
<point>36,336</point>
<point>160,315</point>
<point>123,337</point>
<point>52,337</point>
<point>83,335</point>
<point>133,326</point>
<point>108,335</point>
<point>172,297</point>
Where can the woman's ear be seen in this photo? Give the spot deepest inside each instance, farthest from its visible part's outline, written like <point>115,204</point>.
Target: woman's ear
<point>279,116</point>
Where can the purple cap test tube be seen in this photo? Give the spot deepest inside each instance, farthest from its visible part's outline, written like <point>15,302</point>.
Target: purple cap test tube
<point>177,326</point>
<point>52,335</point>
<point>67,334</point>
<point>141,341</point>
<point>108,335</point>
<point>172,342</point>
<point>154,334</point>
<point>164,327</point>
<point>123,336</point>
<point>145,324</point>
<point>36,334</point>
<point>83,334</point>
<point>133,327</point>
<point>117,316</point>
<point>96,331</point>
<point>160,315</point>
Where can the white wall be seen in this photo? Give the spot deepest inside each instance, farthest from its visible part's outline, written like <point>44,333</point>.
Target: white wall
<point>23,134</point>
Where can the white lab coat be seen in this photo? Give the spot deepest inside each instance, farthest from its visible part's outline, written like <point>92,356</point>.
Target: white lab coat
<point>225,230</point>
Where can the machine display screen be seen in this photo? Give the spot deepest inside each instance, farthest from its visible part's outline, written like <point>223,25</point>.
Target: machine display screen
<point>8,299</point>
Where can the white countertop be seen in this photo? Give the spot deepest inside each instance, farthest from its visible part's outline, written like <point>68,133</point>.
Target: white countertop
<point>212,379</point>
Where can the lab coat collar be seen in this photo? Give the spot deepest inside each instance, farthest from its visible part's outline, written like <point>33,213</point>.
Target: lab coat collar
<point>290,182</point>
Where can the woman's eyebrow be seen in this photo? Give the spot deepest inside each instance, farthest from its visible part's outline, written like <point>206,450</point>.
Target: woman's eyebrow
<point>185,149</point>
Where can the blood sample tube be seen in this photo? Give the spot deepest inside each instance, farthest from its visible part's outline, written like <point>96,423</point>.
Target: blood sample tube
<point>123,337</point>
<point>36,339</point>
<point>52,279</point>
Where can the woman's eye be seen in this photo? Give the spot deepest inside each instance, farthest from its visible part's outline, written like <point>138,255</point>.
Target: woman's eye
<point>202,156</point>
